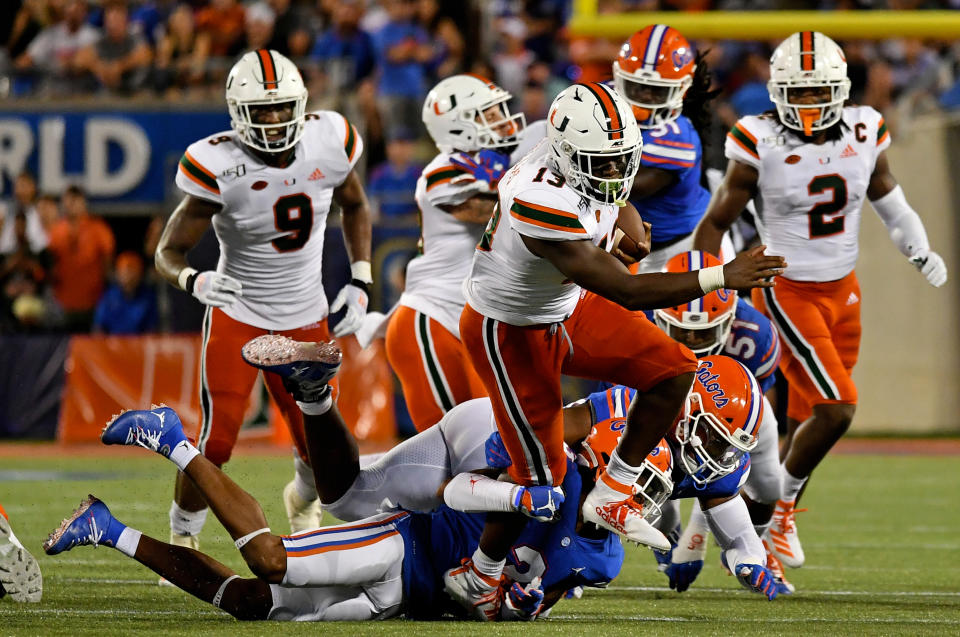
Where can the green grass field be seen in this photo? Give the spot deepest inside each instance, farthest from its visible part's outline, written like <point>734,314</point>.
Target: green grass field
<point>883,558</point>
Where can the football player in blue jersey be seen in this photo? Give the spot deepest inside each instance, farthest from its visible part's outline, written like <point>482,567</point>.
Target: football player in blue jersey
<point>374,568</point>
<point>722,323</point>
<point>668,86</point>
<point>707,457</point>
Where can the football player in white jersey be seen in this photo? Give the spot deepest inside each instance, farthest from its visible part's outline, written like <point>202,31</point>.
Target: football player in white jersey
<point>468,118</point>
<point>810,165</point>
<point>527,318</point>
<point>266,187</point>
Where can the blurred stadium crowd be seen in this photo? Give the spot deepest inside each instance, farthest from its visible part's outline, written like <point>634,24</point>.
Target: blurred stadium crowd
<point>373,60</point>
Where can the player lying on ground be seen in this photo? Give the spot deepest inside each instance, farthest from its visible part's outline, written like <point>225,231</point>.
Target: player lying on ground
<point>376,568</point>
<point>722,323</point>
<point>20,578</point>
<point>707,456</point>
<point>414,473</point>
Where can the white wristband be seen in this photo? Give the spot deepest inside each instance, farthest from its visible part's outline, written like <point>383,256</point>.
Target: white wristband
<point>361,271</point>
<point>185,274</point>
<point>711,278</point>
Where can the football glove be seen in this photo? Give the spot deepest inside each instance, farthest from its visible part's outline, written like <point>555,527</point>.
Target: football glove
<point>496,452</point>
<point>538,502</point>
<point>355,299</point>
<point>215,289</point>
<point>683,574</point>
<point>758,579</point>
<point>931,265</point>
<point>488,165</point>
<point>522,603</point>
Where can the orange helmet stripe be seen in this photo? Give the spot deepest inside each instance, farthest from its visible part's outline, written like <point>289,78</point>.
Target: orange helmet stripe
<point>806,50</point>
<point>609,109</point>
<point>269,69</point>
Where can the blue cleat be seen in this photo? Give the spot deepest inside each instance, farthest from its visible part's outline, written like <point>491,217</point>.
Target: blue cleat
<point>88,526</point>
<point>305,368</point>
<point>158,429</point>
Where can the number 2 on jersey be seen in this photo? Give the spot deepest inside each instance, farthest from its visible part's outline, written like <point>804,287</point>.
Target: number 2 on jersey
<point>298,227</point>
<point>819,225</point>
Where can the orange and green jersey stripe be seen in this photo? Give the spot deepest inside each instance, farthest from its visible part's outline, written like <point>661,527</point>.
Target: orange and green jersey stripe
<point>882,133</point>
<point>744,139</point>
<point>194,171</point>
<point>546,217</point>
<point>268,68</point>
<point>349,140</point>
<point>442,175</point>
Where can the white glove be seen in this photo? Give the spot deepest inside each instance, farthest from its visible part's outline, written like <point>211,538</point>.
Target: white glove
<point>355,299</point>
<point>215,289</point>
<point>931,265</point>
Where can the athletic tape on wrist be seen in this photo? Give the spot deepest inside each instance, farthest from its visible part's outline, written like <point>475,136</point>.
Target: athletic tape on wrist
<point>185,274</point>
<point>361,271</point>
<point>710,278</point>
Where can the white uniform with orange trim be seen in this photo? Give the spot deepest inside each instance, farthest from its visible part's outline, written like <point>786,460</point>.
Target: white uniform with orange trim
<point>272,222</point>
<point>509,283</point>
<point>342,572</point>
<point>434,283</point>
<point>810,195</point>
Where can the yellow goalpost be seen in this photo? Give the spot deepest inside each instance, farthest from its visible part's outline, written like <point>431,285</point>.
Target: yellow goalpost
<point>762,25</point>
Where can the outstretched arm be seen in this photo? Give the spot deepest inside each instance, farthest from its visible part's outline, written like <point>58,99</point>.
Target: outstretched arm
<point>190,219</point>
<point>355,214</point>
<point>600,272</point>
<point>739,186</point>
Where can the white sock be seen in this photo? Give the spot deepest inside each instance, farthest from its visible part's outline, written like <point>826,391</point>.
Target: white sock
<point>487,565</point>
<point>318,408</point>
<point>183,453</point>
<point>620,470</point>
<point>791,485</point>
<point>128,541</point>
<point>303,480</point>
<point>692,544</point>
<point>474,492</point>
<point>183,522</point>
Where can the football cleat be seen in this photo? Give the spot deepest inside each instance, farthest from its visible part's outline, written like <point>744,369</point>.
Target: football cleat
<point>539,502</point>
<point>88,526</point>
<point>157,429</point>
<point>610,505</point>
<point>775,567</point>
<point>480,595</point>
<point>20,576</point>
<point>305,368</point>
<point>302,514</point>
<point>782,535</point>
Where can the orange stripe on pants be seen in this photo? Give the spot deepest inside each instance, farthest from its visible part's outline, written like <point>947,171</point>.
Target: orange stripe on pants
<point>819,328</point>
<point>226,382</point>
<point>521,368</point>
<point>432,365</point>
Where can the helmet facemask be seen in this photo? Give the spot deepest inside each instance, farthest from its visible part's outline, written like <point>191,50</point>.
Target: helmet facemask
<point>707,449</point>
<point>655,101</point>
<point>496,129</point>
<point>805,116</point>
<point>603,176</point>
<point>653,489</point>
<point>703,339</point>
<point>272,137</point>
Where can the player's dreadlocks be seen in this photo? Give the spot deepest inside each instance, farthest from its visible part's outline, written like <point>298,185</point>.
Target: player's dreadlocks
<point>697,99</point>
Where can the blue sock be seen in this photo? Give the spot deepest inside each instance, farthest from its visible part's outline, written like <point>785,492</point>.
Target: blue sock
<point>111,535</point>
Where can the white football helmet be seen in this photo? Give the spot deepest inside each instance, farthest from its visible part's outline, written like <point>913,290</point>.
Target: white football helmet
<point>808,59</point>
<point>454,114</point>
<point>260,78</point>
<point>595,142</point>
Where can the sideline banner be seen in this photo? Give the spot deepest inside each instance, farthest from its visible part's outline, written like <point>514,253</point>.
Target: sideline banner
<point>117,156</point>
<point>106,374</point>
